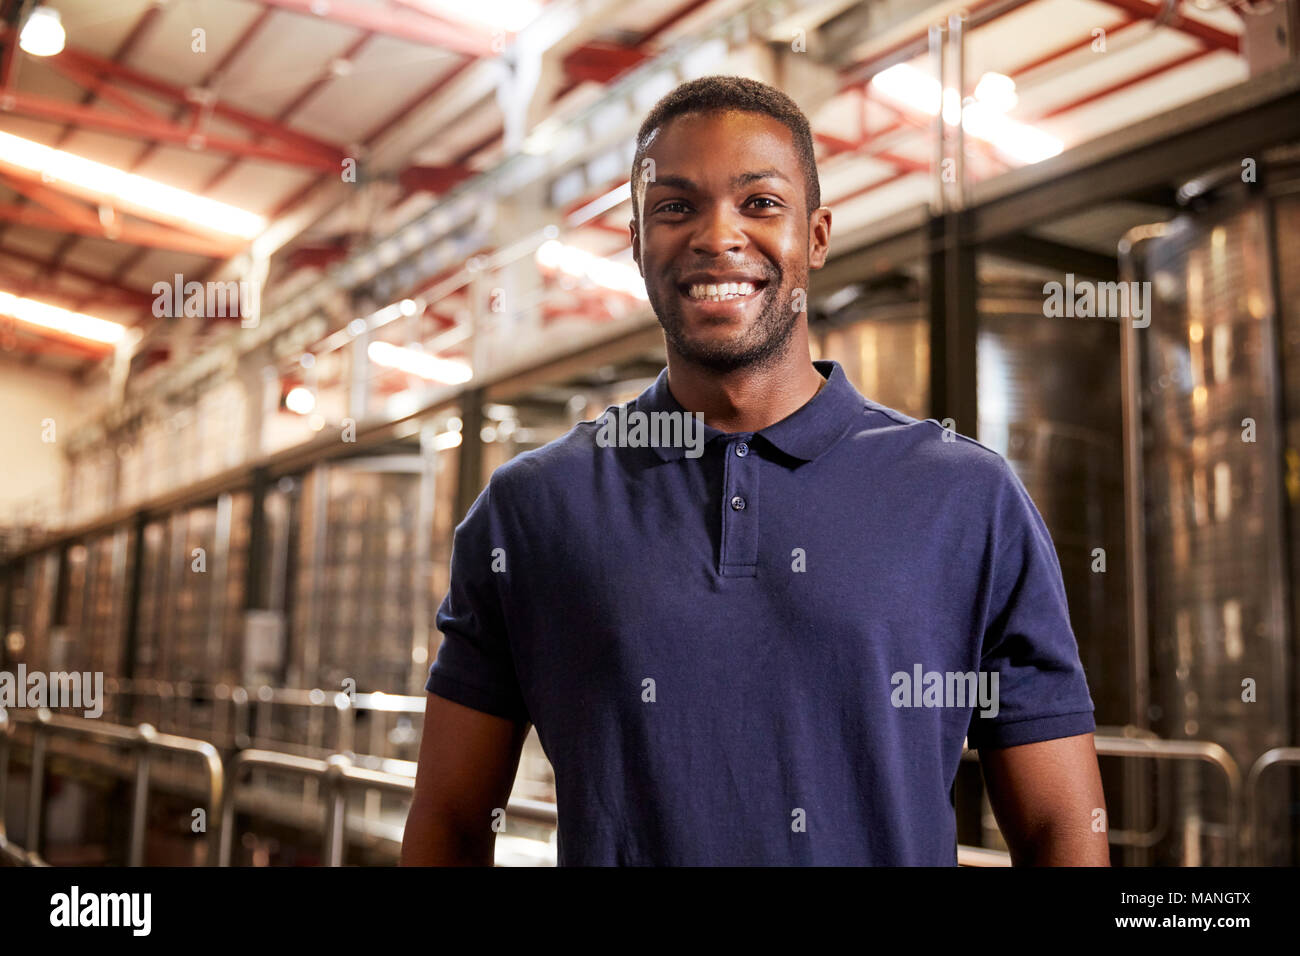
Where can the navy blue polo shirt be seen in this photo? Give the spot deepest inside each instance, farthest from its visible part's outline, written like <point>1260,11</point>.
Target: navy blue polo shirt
<point>767,653</point>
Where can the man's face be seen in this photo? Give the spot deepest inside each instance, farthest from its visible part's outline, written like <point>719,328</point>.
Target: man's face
<point>726,209</point>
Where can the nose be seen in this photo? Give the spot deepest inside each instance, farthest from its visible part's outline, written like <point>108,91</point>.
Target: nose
<point>718,232</point>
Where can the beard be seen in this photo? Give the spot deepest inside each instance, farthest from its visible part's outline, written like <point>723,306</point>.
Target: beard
<point>755,346</point>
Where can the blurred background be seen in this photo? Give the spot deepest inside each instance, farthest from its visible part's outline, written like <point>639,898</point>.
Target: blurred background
<point>283,281</point>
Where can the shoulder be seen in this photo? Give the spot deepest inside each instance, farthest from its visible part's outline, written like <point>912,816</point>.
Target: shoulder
<point>561,461</point>
<point>929,451</point>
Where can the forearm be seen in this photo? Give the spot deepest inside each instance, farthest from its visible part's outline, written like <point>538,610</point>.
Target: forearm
<point>1059,844</point>
<point>436,839</point>
<point>1049,803</point>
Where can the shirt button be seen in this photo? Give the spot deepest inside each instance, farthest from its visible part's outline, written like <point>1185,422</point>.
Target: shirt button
<point>742,450</point>
<point>738,503</point>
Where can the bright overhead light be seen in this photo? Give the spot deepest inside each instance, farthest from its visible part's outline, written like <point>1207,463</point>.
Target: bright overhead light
<point>300,400</point>
<point>127,189</point>
<point>579,263</point>
<point>909,87</point>
<point>435,369</point>
<point>509,15</point>
<point>997,91</point>
<point>1023,142</point>
<point>56,319</point>
<point>43,33</point>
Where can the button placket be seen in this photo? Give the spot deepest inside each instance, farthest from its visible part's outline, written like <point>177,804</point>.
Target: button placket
<point>739,556</point>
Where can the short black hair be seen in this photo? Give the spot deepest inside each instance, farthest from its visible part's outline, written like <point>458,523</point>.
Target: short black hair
<point>717,94</point>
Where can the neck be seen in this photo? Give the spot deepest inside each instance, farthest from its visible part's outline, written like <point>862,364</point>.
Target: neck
<point>746,399</point>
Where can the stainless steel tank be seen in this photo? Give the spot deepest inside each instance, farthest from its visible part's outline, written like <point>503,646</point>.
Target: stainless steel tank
<point>1215,414</point>
<point>95,616</point>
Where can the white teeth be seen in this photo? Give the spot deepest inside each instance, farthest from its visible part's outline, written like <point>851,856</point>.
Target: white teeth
<point>719,291</point>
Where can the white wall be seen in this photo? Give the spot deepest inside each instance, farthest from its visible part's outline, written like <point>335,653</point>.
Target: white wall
<point>29,466</point>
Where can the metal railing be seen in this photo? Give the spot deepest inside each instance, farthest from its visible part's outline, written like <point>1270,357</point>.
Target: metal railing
<point>143,740</point>
<point>9,851</point>
<point>1154,748</point>
<point>339,773</point>
<point>1278,756</point>
<point>1194,750</point>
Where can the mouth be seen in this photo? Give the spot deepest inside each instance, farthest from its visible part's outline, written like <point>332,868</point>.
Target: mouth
<point>713,293</point>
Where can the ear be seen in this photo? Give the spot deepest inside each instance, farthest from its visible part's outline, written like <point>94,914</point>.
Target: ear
<point>819,237</point>
<point>636,246</point>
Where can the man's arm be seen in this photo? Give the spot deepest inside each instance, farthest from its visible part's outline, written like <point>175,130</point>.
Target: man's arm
<point>467,767</point>
<point>1044,796</point>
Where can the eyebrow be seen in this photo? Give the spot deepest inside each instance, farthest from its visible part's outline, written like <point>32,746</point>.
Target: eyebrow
<point>672,181</point>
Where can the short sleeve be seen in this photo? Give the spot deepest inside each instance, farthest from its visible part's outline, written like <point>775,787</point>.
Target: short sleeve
<point>474,666</point>
<point>1028,643</point>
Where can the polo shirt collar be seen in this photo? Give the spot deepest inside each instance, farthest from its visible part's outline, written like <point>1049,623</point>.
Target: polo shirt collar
<point>803,435</point>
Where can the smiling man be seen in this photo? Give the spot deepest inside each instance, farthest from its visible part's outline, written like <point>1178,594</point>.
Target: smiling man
<point>771,652</point>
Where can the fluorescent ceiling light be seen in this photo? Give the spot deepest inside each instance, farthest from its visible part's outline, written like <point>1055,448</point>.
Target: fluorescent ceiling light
<point>127,189</point>
<point>909,87</point>
<point>43,33</point>
<point>553,254</point>
<point>61,320</point>
<point>434,369</point>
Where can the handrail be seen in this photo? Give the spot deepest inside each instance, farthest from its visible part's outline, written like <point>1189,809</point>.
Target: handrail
<point>242,700</point>
<point>1275,757</point>
<point>981,856</point>
<point>1200,750</point>
<point>10,851</point>
<point>1160,749</point>
<point>143,739</point>
<point>1141,839</point>
<point>338,774</point>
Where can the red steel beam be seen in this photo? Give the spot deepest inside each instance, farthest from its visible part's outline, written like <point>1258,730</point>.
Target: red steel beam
<point>45,289</point>
<point>1067,49</point>
<point>414,102</point>
<point>218,70</point>
<point>50,342</point>
<point>601,62</point>
<point>667,21</point>
<point>861,72</point>
<point>56,203</point>
<point>50,268</point>
<point>893,178</point>
<point>138,29</point>
<point>42,107</point>
<point>404,25</point>
<point>1124,84</point>
<point>1202,31</point>
<point>288,110</point>
<point>58,196</point>
<point>96,86</point>
<point>425,9</point>
<point>432,90</point>
<point>434,179</point>
<point>176,94</point>
<point>145,234</point>
<point>9,50</point>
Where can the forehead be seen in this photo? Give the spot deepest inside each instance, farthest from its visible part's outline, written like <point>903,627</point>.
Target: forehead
<point>722,142</point>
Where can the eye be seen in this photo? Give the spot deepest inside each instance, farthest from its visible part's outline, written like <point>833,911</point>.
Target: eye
<point>767,199</point>
<point>666,207</point>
